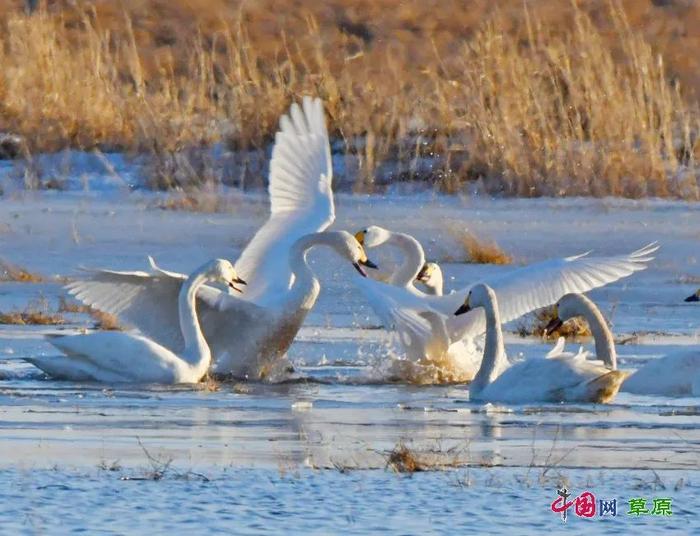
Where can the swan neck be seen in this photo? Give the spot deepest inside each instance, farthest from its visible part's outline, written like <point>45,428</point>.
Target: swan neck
<point>305,286</point>
<point>435,287</point>
<point>494,360</point>
<point>196,351</point>
<point>413,259</point>
<point>603,337</point>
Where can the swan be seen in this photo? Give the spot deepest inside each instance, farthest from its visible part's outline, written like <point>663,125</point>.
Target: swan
<point>556,378</point>
<point>247,339</point>
<point>693,297</point>
<point>401,305</point>
<point>676,374</point>
<point>430,275</point>
<point>114,356</point>
<point>673,375</point>
<point>249,334</point>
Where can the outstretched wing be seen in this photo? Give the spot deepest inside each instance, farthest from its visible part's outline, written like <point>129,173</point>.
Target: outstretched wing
<point>301,200</point>
<point>149,302</point>
<point>541,284</point>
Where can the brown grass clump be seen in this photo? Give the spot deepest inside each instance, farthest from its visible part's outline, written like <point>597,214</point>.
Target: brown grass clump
<point>196,201</point>
<point>479,251</point>
<point>103,321</point>
<point>545,98</point>
<point>12,273</point>
<point>36,314</point>
<point>572,329</point>
<point>403,459</point>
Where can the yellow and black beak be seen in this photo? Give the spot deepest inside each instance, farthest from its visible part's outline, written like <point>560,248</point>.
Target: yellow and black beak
<point>693,297</point>
<point>360,237</point>
<point>464,308</point>
<point>239,281</point>
<point>555,323</point>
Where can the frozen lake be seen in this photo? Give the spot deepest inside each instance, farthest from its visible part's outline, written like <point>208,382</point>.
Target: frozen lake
<point>310,455</point>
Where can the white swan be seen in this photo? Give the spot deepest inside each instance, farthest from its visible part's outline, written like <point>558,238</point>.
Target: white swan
<point>250,334</point>
<point>573,305</point>
<point>127,357</point>
<point>401,306</point>
<point>676,374</point>
<point>556,378</point>
<point>673,375</point>
<point>430,275</point>
<point>246,339</point>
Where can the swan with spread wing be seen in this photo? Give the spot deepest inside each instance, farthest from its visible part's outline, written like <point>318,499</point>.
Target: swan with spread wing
<point>249,334</point>
<point>401,306</point>
<point>108,356</point>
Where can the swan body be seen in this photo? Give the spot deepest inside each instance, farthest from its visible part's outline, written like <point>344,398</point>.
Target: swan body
<point>556,378</point>
<point>127,357</point>
<point>400,305</point>
<point>673,375</point>
<point>248,335</point>
<point>676,374</point>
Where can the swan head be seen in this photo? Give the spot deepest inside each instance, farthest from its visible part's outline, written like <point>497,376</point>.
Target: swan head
<point>430,275</point>
<point>222,271</point>
<point>372,236</point>
<point>349,247</point>
<point>569,306</point>
<point>694,297</point>
<point>480,295</point>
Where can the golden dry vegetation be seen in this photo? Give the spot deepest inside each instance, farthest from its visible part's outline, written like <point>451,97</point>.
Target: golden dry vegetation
<point>572,330</point>
<point>545,97</point>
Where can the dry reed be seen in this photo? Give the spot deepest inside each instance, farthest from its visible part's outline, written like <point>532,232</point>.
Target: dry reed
<point>548,99</point>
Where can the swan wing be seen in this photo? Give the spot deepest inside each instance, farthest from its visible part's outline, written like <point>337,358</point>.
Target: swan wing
<point>301,200</point>
<point>422,332</point>
<point>540,285</point>
<point>149,302</point>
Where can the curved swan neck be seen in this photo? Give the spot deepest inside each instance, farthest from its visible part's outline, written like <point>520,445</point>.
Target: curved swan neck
<point>494,360</point>
<point>603,337</point>
<point>413,258</point>
<point>305,286</point>
<point>436,284</point>
<point>196,351</point>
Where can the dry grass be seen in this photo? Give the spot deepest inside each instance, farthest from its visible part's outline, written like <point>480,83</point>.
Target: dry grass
<point>573,329</point>
<point>35,314</point>
<point>476,250</point>
<point>404,459</point>
<point>103,321</point>
<point>12,273</point>
<point>545,98</point>
<point>197,201</point>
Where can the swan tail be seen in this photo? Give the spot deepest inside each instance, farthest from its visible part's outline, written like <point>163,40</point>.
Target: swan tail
<point>600,390</point>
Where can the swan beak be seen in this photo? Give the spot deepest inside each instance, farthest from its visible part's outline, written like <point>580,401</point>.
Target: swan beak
<point>364,262</point>
<point>464,308</point>
<point>693,297</point>
<point>554,324</point>
<point>360,237</point>
<point>368,263</point>
<point>239,281</point>
<point>424,274</point>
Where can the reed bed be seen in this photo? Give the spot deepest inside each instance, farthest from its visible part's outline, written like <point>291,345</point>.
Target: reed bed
<point>528,99</point>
